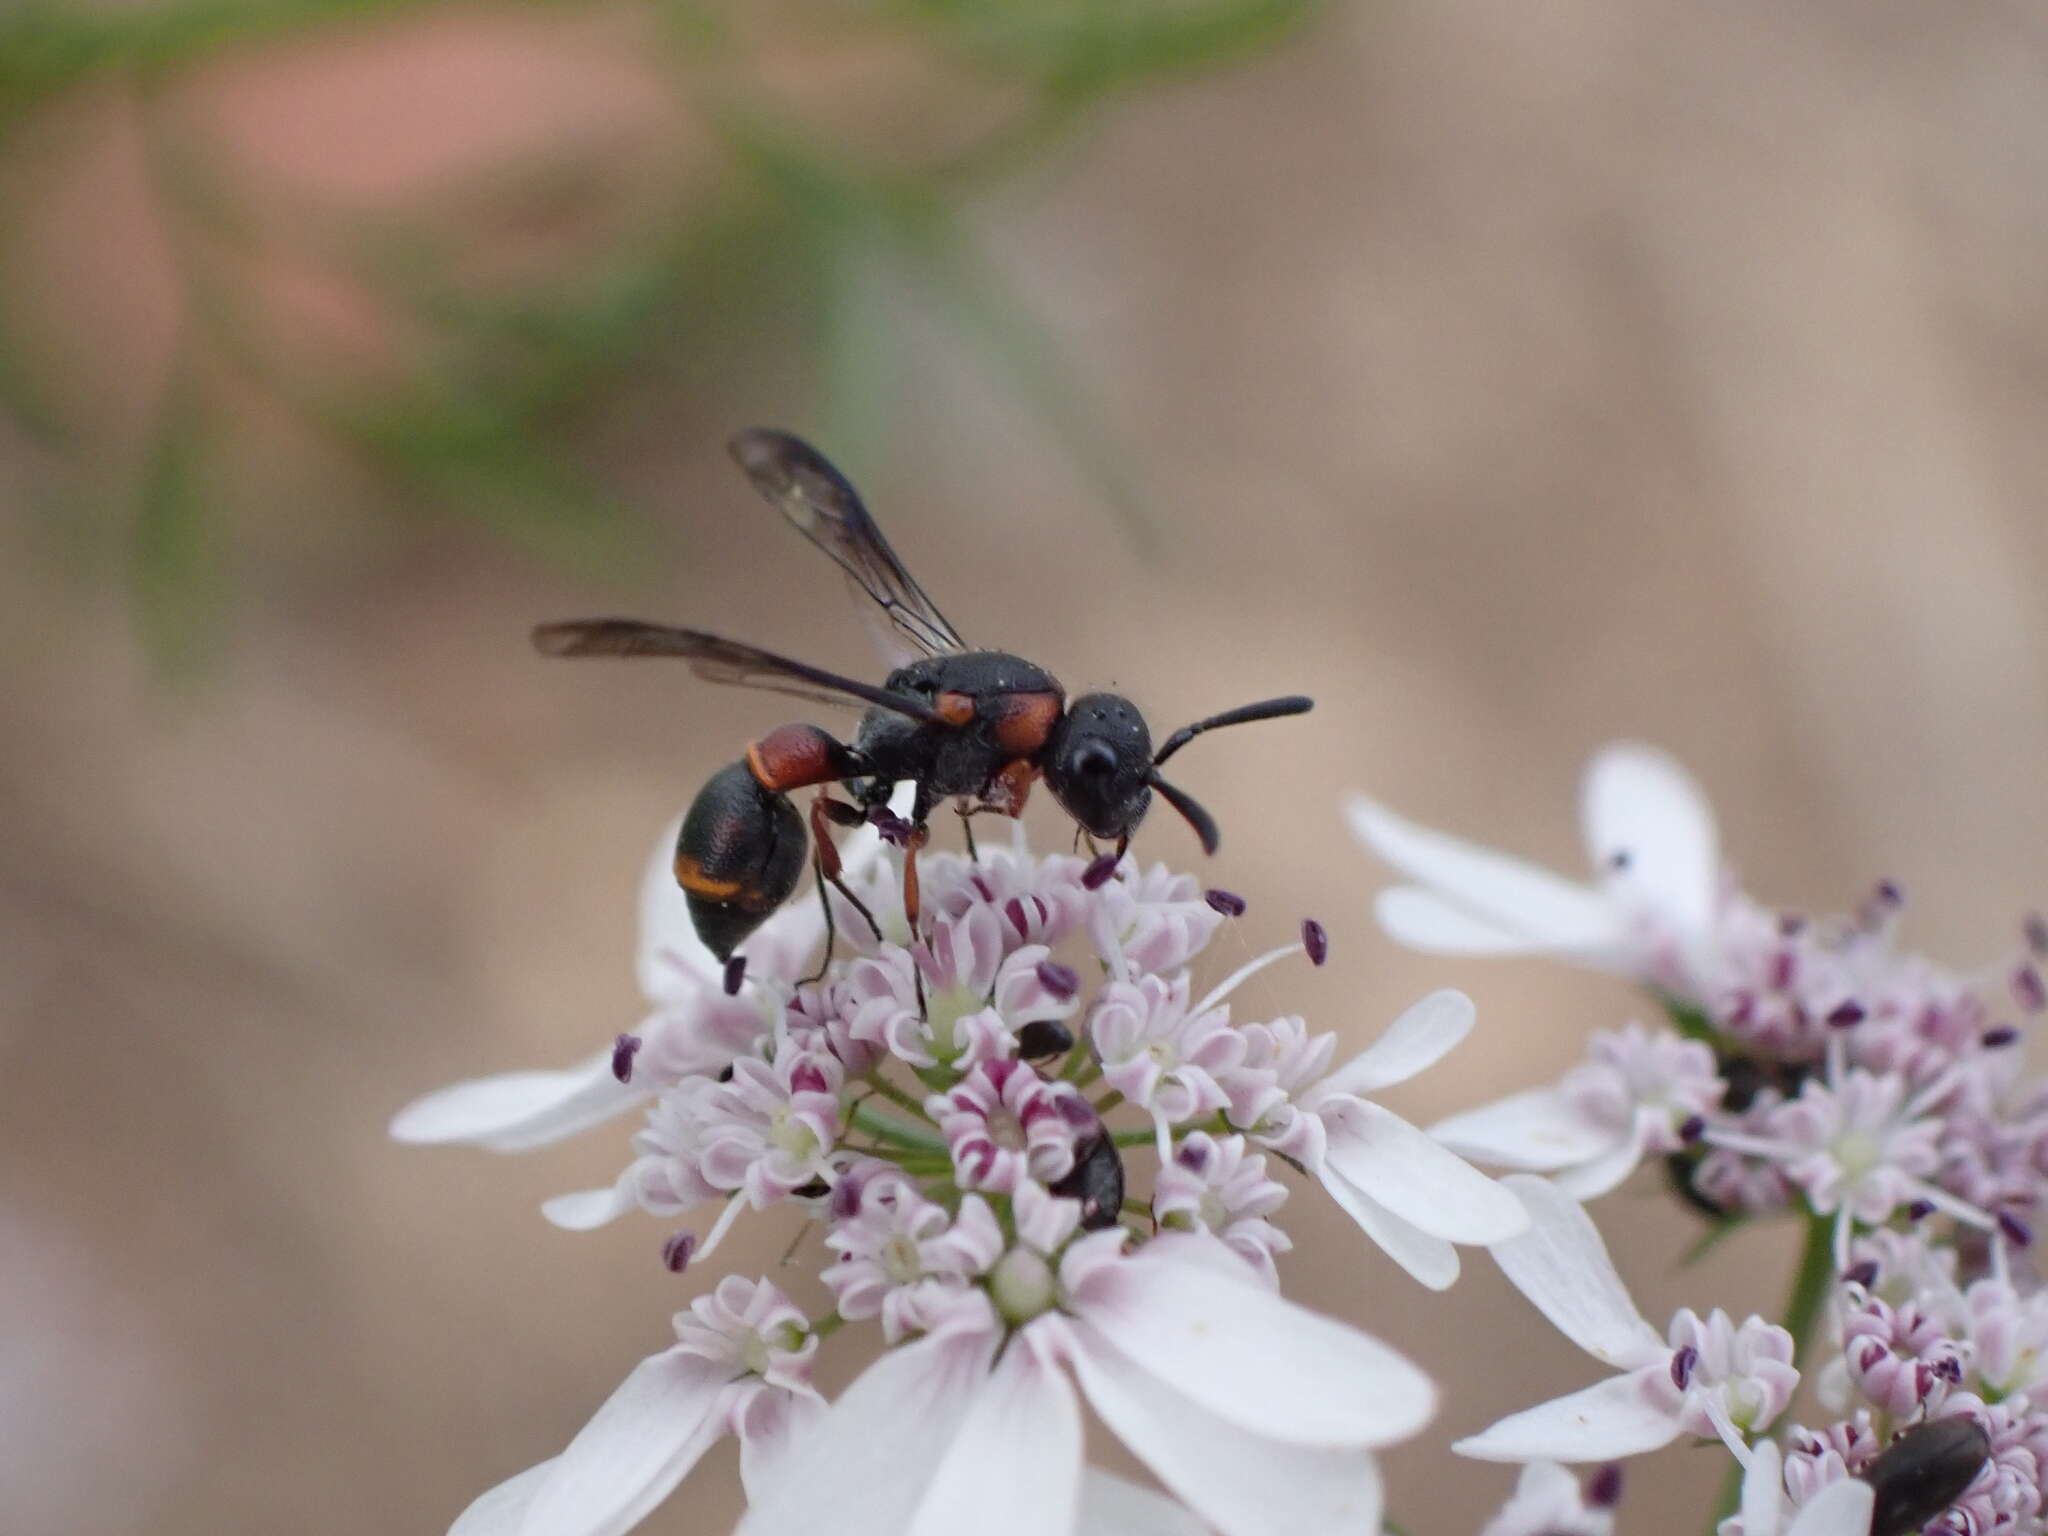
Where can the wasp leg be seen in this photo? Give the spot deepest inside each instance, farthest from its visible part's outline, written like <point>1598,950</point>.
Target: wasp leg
<point>825,813</point>
<point>831,931</point>
<point>966,814</point>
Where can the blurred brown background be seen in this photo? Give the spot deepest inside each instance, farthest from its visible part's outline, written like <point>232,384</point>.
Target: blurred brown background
<point>1509,378</point>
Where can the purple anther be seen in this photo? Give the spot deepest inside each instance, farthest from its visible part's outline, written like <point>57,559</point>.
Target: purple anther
<point>2017,1232</point>
<point>1603,1488</point>
<point>1229,903</point>
<point>2036,930</point>
<point>805,1077</point>
<point>1864,1274</point>
<point>2027,990</point>
<point>1077,1112</point>
<point>1620,860</point>
<point>1889,894</point>
<point>1062,981</point>
<point>1783,964</point>
<point>624,1049</point>
<point>1193,1156</point>
<point>845,1201</point>
<point>1998,1037</point>
<point>1099,869</point>
<point>1920,1210</point>
<point>1681,1367</point>
<point>1846,1015</point>
<point>1315,941</point>
<point>735,974</point>
<point>1791,924</point>
<point>675,1253</point>
<point>1691,1129</point>
<point>894,830</point>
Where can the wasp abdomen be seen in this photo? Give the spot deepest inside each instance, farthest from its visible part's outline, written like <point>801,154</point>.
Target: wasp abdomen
<point>740,854</point>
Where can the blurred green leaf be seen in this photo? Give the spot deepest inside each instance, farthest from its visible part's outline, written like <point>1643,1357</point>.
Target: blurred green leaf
<point>178,565</point>
<point>488,417</point>
<point>1085,48</point>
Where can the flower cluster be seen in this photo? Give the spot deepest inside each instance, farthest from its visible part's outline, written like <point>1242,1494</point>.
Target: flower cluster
<point>1805,1065</point>
<point>968,1114</point>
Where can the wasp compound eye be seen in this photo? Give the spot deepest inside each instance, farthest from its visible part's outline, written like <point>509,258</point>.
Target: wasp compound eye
<point>1924,1471</point>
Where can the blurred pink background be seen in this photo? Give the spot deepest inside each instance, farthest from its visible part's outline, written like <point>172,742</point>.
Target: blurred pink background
<point>1510,379</point>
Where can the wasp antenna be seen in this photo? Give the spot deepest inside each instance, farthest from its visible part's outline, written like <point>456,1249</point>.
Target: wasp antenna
<point>581,637</point>
<point>1244,714</point>
<point>1191,811</point>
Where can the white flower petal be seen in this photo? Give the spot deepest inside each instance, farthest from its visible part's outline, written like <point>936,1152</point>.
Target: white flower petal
<point>883,1438</point>
<point>1421,919</point>
<point>1841,1509</point>
<point>1638,805</point>
<point>635,1449</point>
<point>1547,911</point>
<point>1115,1506</point>
<point>1239,1482</point>
<point>1425,1184</point>
<point>765,1447</point>
<point>1546,1497</point>
<point>1423,1035</point>
<point>518,1110</point>
<point>1537,1131</point>
<point>1610,1419</point>
<point>588,1209</point>
<point>1562,1266</point>
<point>1026,1416</point>
<point>1430,1260</point>
<point>500,1511</point>
<point>1605,1173</point>
<point>1763,1489</point>
<point>1253,1358</point>
<point>670,953</point>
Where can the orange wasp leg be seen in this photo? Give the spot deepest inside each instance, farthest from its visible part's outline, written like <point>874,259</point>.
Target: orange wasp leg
<point>825,864</point>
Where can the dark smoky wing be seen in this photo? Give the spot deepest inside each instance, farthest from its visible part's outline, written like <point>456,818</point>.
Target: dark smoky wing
<point>824,507</point>
<point>719,660</point>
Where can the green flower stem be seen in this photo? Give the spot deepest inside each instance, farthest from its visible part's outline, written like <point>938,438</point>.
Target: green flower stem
<point>895,1133</point>
<point>1145,1136</point>
<point>895,1095</point>
<point>1811,1283</point>
<point>1108,1101</point>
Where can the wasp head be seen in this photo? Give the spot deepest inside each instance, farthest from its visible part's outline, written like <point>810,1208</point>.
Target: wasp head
<point>1098,764</point>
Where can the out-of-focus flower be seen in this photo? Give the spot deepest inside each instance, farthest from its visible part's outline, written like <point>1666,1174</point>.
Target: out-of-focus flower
<point>1648,912</point>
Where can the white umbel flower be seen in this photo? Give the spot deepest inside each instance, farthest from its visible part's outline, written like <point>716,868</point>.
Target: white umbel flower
<point>692,1027</point>
<point>1708,1377</point>
<point>1407,1192</point>
<point>741,1364</point>
<point>1842,1508</point>
<point>1256,1414</point>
